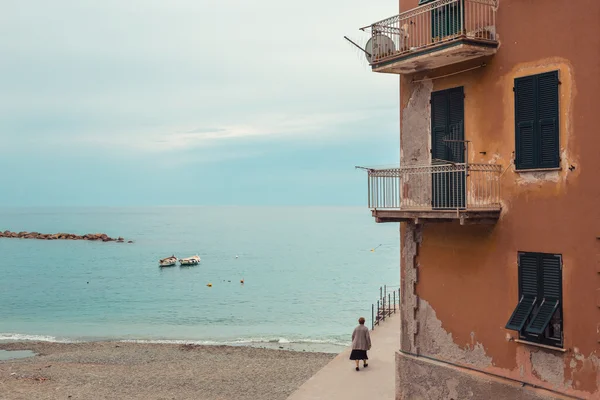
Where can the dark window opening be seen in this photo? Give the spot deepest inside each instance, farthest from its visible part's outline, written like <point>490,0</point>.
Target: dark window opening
<point>538,316</point>
<point>537,142</point>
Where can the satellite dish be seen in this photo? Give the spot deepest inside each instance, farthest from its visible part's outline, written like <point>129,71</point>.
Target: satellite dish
<point>378,47</point>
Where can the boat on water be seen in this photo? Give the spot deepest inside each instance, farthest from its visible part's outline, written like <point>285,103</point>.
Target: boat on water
<point>193,260</point>
<point>168,262</point>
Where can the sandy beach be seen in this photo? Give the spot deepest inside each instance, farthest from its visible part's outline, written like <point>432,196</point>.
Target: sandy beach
<point>116,370</point>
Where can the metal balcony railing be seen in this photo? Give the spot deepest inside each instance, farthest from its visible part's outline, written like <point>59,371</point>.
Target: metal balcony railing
<point>431,24</point>
<point>436,187</point>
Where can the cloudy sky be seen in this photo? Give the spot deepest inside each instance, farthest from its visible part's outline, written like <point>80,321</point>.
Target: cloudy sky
<point>156,102</point>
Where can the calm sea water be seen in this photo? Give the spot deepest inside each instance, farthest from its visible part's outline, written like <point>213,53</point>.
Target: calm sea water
<point>309,273</point>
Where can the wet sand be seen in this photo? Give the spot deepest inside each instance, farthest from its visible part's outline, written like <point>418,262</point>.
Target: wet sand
<point>115,370</point>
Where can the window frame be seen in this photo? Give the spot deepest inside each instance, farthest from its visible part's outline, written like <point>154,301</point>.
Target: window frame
<point>538,125</point>
<point>557,315</point>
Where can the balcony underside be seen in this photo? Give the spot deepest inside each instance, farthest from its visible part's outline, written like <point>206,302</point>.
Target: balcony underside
<point>465,217</point>
<point>436,56</point>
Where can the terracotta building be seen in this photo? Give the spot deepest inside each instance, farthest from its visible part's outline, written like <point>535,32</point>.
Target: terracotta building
<point>497,195</point>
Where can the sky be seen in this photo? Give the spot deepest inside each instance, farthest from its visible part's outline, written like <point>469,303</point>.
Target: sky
<point>184,102</point>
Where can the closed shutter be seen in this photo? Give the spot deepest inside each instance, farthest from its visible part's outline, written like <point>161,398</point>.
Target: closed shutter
<point>536,121</point>
<point>445,21</point>
<point>439,125</point>
<point>528,291</point>
<point>456,146</point>
<point>525,111</point>
<point>439,148</point>
<point>447,147</point>
<point>551,288</point>
<point>456,117</point>
<point>548,120</point>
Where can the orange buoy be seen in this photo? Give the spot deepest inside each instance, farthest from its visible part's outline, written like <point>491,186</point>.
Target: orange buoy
<point>209,285</point>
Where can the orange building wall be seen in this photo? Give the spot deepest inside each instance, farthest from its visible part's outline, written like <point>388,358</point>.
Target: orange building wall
<point>467,275</point>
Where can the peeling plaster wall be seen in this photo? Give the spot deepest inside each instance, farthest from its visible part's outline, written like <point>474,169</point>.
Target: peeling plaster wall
<point>549,367</point>
<point>439,343</point>
<point>415,144</point>
<point>460,283</point>
<point>410,239</point>
<point>416,125</point>
<point>420,379</point>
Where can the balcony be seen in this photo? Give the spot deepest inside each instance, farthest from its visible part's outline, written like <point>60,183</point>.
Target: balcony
<point>434,35</point>
<point>469,193</point>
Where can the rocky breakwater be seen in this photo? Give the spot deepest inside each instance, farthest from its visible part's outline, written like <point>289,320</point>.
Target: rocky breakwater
<point>96,237</point>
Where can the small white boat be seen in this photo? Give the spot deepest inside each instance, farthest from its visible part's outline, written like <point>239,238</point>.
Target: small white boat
<point>193,260</point>
<point>168,262</point>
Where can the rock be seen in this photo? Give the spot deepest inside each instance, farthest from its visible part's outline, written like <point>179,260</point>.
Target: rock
<point>130,241</point>
<point>61,236</point>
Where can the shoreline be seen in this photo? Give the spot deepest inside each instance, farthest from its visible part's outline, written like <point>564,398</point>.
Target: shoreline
<point>106,370</point>
<point>281,343</point>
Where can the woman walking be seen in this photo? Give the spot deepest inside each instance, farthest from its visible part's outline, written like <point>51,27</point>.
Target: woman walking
<point>361,342</point>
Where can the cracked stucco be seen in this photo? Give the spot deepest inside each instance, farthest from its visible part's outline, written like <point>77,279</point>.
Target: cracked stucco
<point>410,242</point>
<point>415,143</point>
<point>434,341</point>
<point>526,178</point>
<point>421,379</point>
<point>549,367</point>
<point>416,126</point>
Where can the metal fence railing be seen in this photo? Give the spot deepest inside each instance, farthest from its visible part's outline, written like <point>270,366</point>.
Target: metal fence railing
<point>431,24</point>
<point>387,304</point>
<point>435,187</point>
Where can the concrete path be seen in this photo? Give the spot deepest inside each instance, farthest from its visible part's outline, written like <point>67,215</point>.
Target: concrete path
<point>339,380</point>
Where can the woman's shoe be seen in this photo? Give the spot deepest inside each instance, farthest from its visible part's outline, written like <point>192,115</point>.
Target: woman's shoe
<point>357,368</point>
<point>365,365</point>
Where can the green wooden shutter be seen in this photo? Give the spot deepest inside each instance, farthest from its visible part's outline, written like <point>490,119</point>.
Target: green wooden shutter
<point>456,152</point>
<point>536,121</point>
<point>456,117</point>
<point>439,124</point>
<point>549,146</point>
<point>525,116</point>
<point>439,148</point>
<point>528,291</point>
<point>445,21</point>
<point>551,288</point>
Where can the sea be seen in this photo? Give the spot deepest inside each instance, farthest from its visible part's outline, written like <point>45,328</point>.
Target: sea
<point>308,274</point>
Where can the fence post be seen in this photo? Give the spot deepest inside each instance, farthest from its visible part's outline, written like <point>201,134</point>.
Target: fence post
<point>372,317</point>
<point>389,309</point>
<point>377,315</point>
<point>394,302</point>
<point>384,290</point>
<point>380,292</point>
<point>383,309</point>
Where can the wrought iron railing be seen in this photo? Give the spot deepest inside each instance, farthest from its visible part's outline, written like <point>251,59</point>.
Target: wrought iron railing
<point>388,304</point>
<point>431,24</point>
<point>436,187</point>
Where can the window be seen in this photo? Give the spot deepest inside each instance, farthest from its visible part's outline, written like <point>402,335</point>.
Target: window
<point>536,121</point>
<point>538,314</point>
